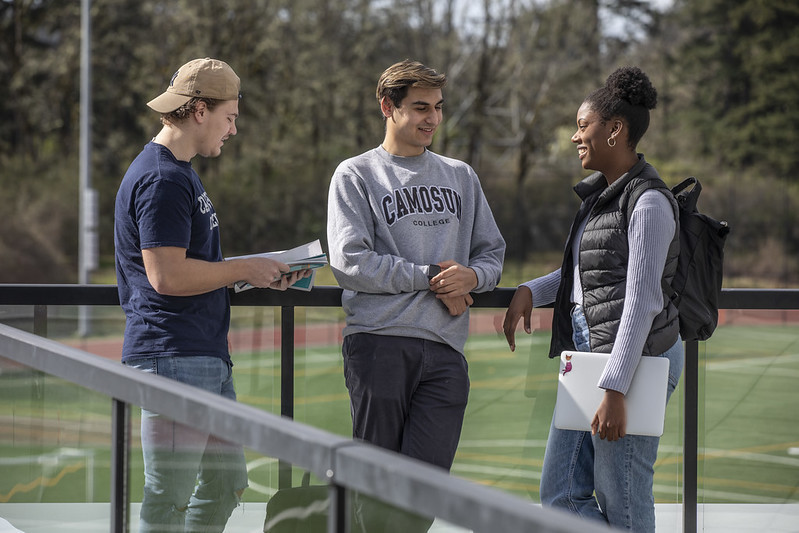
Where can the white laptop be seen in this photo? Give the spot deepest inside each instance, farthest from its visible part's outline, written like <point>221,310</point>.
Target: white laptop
<point>579,396</point>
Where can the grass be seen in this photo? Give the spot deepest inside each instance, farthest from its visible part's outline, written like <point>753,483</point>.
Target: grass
<point>749,418</point>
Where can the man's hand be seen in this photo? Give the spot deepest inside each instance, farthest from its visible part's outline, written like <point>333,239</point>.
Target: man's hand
<point>521,305</point>
<point>265,272</point>
<point>453,280</point>
<point>457,305</point>
<point>610,420</point>
<point>287,280</point>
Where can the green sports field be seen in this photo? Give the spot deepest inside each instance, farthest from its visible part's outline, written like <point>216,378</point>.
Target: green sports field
<point>54,437</point>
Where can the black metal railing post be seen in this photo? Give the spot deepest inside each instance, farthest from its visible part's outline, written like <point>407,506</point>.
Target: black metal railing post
<point>286,381</point>
<point>120,466</point>
<point>338,517</point>
<point>691,433</point>
<point>40,320</point>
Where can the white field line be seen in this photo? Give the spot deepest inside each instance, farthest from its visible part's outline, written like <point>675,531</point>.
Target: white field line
<point>714,453</point>
<point>748,362</point>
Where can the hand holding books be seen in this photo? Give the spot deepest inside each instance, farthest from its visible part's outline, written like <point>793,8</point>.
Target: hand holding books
<point>307,257</point>
<point>288,278</point>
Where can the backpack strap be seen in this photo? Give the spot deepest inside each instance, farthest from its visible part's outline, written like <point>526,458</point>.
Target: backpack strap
<point>687,199</point>
<point>632,199</point>
<point>670,292</point>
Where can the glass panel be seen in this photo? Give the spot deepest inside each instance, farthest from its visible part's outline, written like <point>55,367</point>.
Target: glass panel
<point>371,514</point>
<point>304,506</point>
<point>320,397</point>
<point>510,405</point>
<point>668,482</point>
<point>94,329</point>
<point>234,468</point>
<point>255,352</point>
<point>749,422</point>
<point>261,504</point>
<point>511,402</point>
<point>17,316</point>
<point>54,436</point>
<point>81,325</point>
<point>54,451</point>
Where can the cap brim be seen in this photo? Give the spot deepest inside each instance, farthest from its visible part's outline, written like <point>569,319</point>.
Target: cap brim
<point>167,102</point>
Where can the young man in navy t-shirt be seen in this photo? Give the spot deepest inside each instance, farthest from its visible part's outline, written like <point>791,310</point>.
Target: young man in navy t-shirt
<point>173,281</point>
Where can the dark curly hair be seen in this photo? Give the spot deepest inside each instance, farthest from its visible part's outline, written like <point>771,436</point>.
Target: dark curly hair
<point>185,111</point>
<point>628,94</point>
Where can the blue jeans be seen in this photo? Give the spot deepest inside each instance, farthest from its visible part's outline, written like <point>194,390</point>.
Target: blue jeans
<point>601,480</point>
<point>192,480</point>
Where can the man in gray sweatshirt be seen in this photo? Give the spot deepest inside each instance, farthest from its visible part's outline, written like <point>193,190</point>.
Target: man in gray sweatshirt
<point>410,235</point>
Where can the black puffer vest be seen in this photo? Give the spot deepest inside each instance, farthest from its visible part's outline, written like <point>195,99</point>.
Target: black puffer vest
<point>603,264</point>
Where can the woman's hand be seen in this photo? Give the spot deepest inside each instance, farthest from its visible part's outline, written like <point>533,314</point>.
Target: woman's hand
<point>610,420</point>
<point>521,305</point>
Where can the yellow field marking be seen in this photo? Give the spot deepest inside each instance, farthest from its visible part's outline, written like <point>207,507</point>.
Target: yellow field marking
<point>703,481</point>
<point>300,400</point>
<point>546,378</point>
<point>322,398</point>
<point>488,355</point>
<point>499,383</point>
<point>725,482</point>
<point>752,449</point>
<point>493,458</point>
<point>298,372</point>
<point>508,485</point>
<point>40,481</point>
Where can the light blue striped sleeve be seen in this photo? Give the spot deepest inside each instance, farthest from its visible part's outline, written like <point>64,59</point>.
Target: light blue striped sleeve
<point>651,229</point>
<point>545,288</point>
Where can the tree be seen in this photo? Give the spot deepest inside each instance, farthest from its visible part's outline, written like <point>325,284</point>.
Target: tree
<point>739,60</point>
<point>38,149</point>
<point>517,69</point>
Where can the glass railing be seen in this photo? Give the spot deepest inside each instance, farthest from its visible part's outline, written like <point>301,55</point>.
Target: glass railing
<point>55,442</point>
<point>729,454</point>
<point>72,416</point>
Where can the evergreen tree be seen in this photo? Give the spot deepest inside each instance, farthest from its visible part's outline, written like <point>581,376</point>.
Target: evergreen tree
<point>739,63</point>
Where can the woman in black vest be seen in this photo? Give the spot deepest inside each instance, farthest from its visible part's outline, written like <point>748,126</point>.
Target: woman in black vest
<point>624,250</point>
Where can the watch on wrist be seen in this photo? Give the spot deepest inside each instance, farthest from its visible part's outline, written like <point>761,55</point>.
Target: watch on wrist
<point>433,271</point>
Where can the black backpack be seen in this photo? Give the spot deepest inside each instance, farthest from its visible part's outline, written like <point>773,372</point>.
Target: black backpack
<point>696,286</point>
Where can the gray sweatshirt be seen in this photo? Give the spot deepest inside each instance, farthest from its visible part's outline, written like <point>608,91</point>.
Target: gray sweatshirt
<point>389,217</point>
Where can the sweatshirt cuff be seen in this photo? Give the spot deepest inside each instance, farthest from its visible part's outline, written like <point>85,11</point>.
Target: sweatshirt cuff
<point>480,275</point>
<point>420,280</point>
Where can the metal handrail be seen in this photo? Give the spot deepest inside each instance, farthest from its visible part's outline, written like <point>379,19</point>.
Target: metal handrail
<point>325,296</point>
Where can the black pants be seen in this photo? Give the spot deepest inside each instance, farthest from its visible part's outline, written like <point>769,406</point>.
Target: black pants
<point>407,395</point>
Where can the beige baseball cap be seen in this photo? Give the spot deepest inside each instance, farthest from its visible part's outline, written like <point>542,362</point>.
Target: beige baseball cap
<point>201,78</point>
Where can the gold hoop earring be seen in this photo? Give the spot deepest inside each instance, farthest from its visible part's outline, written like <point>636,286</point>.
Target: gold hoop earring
<point>611,139</point>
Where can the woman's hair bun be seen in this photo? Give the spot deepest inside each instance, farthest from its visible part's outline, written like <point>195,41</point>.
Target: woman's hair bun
<point>632,85</point>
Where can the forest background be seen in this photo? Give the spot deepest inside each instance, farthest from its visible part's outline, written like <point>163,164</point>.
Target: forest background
<point>728,113</point>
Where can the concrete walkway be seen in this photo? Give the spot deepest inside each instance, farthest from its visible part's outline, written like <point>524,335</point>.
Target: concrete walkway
<point>249,518</point>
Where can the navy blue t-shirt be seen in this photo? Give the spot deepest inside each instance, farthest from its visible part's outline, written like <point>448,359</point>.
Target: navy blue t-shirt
<point>162,202</point>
